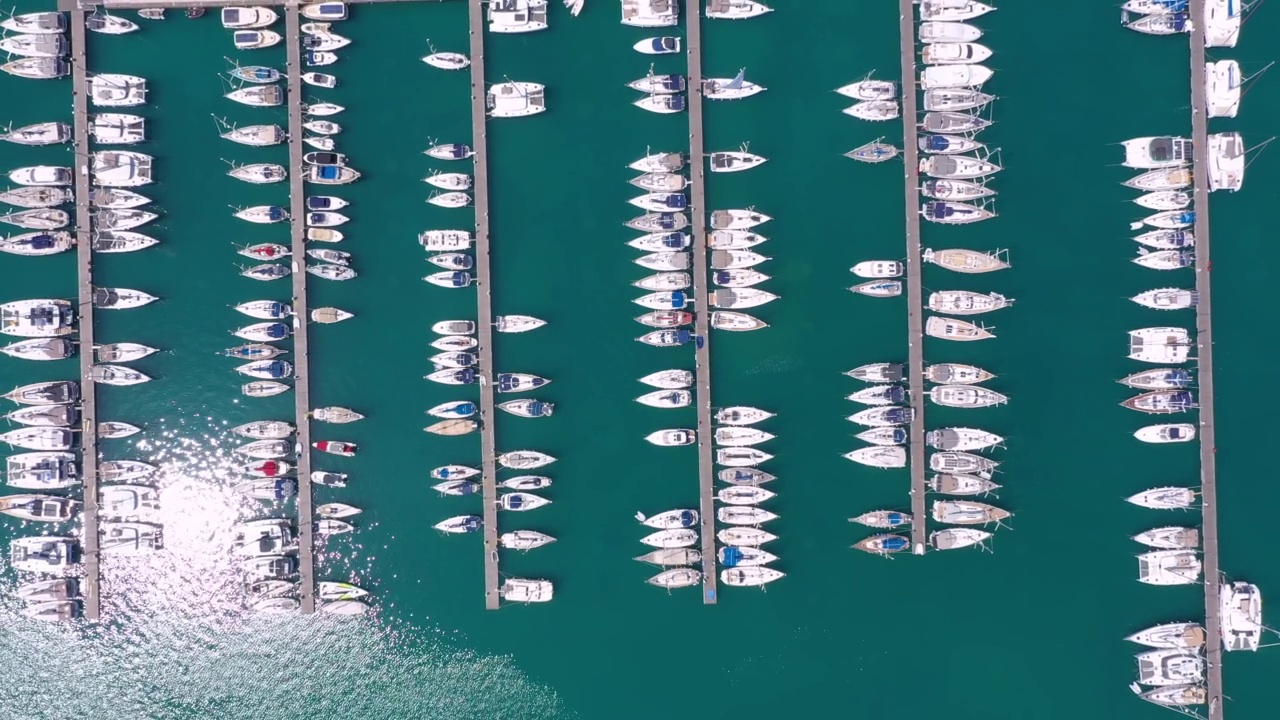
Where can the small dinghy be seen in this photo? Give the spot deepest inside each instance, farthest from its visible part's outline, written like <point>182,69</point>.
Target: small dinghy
<point>952,329</point>
<point>966,261</point>
<point>883,544</point>
<point>956,538</point>
<point>875,151</point>
<point>884,519</point>
<point>957,484</point>
<point>669,379</point>
<point>745,536</point>
<point>335,447</point>
<point>1167,433</point>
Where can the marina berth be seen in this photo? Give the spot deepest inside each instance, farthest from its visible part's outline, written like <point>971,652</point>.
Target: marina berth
<point>517,16</point>
<point>1170,635</point>
<point>1226,162</point>
<point>953,484</point>
<point>967,261</point>
<point>1169,567</point>
<point>957,538</point>
<point>952,10</point>
<point>884,545</point>
<point>1168,433</point>
<point>1241,613</point>
<point>948,32</point>
<point>1169,538</point>
<point>1223,83</point>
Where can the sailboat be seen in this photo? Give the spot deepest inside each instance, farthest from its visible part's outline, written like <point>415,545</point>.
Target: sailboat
<point>730,89</point>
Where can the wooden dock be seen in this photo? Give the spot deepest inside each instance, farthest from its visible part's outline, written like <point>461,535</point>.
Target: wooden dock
<point>183,4</point>
<point>915,304</point>
<point>90,584</point>
<point>702,324</point>
<point>1204,368</point>
<point>301,364</point>
<point>484,307</point>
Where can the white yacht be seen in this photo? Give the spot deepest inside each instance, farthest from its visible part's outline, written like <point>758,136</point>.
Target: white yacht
<point>734,436</point>
<point>951,329</point>
<point>526,591</point>
<point>37,318</point>
<point>116,90</point>
<point>669,379</point>
<point>1226,161</point>
<point>878,269</point>
<point>1241,612</point>
<point>672,438</point>
<point>933,31</point>
<point>515,99</point>
<point>1222,81</point>
<point>1169,538</point>
<point>1165,498</point>
<point>1222,21</point>
<point>868,89</point>
<point>517,16</point>
<point>957,167</point>
<point>672,538</point>
<point>880,456</point>
<point>118,168</point>
<point>958,484</point>
<point>741,456</point>
<point>964,302</point>
<point>1172,666</point>
<point>1170,635</point>
<point>666,398</point>
<point>734,88</point>
<point>524,539</point>
<point>952,10</point>
<point>967,261</point>
<point>118,129</point>
<point>1160,345</point>
<point>1167,433</point>
<point>248,18</point>
<point>961,438</point>
<point>650,13</point>
<point>735,9</point>
<point>956,538</point>
<point>751,576</point>
<point>954,54</point>
<point>1169,567</point>
<point>874,110</point>
<point>937,77</point>
<point>963,463</point>
<point>670,519</point>
<point>1149,153</point>
<point>968,512</point>
<point>46,554</point>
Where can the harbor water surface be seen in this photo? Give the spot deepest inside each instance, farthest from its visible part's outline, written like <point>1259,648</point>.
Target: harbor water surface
<point>1032,630</point>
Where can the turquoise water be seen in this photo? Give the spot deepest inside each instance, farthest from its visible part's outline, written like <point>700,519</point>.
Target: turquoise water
<point>1031,631</point>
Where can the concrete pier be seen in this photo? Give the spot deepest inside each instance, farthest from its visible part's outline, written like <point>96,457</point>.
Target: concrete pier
<point>90,583</point>
<point>702,323</point>
<point>915,303</point>
<point>484,306</point>
<point>184,4</point>
<point>301,365</point>
<point>1204,368</point>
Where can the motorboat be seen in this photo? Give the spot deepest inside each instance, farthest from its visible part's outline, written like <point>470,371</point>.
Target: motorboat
<point>528,408</point>
<point>515,99</point>
<point>1171,635</point>
<point>736,457</point>
<point>1172,666</point>
<point>880,456</point>
<point>330,174</point>
<point>1240,611</point>
<point>670,519</point>
<point>740,536</point>
<point>37,318</point>
<point>956,190</point>
<point>1226,161</point>
<point>1169,567</point>
<point>1162,402</point>
<point>1167,433</point>
<point>669,539</point>
<point>43,133</point>
<point>933,31</point>
<point>657,46</point>
<point>524,540</point>
<point>336,447</point>
<point>744,515</point>
<point>524,459</point>
<point>735,436</point>
<point>868,89</point>
<point>741,415</point>
<point>956,538</point>
<point>447,60</point>
<point>875,151</point>
<point>879,372</point>
<point>736,321</point>
<point>42,175</point>
<point>951,53</point>
<point>44,554</point>
<point>952,10</point>
<point>1169,538</point>
<point>880,395</point>
<point>1165,498</point>
<point>238,18</point>
<point>672,437</point>
<point>669,379</point>
<point>38,244</point>
<point>526,591</point>
<point>878,269</point>
<point>40,349</point>
<point>883,416</point>
<point>1160,345</point>
<point>1158,379</point>
<point>734,88</point>
<point>1175,178</point>
<point>36,23</point>
<point>36,196</point>
<point>38,68</point>
<point>955,99</point>
<point>1223,83</point>
<point>952,329</point>
<point>884,544</point>
<point>38,508</point>
<point>517,16</point>
<point>323,42</point>
<point>325,11</point>
<point>650,13</point>
<point>258,95</point>
<point>962,463</point>
<point>957,167</point>
<point>961,438</point>
<point>255,39</point>
<point>884,519</point>
<point>960,484</point>
<point>874,110</point>
<point>967,512</point>
<point>953,123</point>
<point>966,261</point>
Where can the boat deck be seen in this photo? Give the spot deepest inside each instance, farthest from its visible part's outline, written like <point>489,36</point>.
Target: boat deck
<point>90,583</point>
<point>183,4</point>
<point>1204,368</point>
<point>484,308</point>
<point>301,364</point>
<point>915,309</point>
<point>702,326</point>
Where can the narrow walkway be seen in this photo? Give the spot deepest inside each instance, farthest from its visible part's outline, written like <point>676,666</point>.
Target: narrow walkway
<point>915,309</point>
<point>702,327</point>
<point>84,262</point>
<point>1204,368</point>
<point>484,308</point>
<point>301,358</point>
<point>183,4</point>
